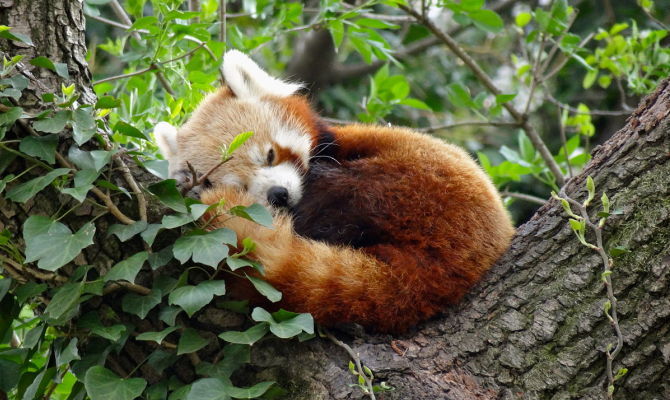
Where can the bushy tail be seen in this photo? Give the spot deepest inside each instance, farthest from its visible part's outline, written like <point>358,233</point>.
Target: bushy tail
<point>341,284</point>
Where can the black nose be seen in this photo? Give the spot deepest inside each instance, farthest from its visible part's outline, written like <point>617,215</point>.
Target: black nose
<point>278,196</point>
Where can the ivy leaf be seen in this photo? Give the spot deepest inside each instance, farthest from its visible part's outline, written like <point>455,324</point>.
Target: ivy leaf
<point>141,305</point>
<point>78,193</point>
<point>157,337</point>
<point>125,232</point>
<point>127,269</point>
<point>66,297</point>
<point>190,342</point>
<point>294,326</point>
<point>8,117</point>
<point>59,68</point>
<point>58,246</point>
<point>254,212</point>
<point>193,298</point>
<point>95,159</point>
<point>68,353</point>
<point>207,389</point>
<point>247,393</point>
<point>20,37</point>
<point>25,191</point>
<point>168,194</point>
<point>149,235</point>
<point>487,20</point>
<point>126,129</point>
<point>53,124</point>
<point>83,126</point>
<point>265,289</point>
<point>107,102</point>
<point>204,247</point>
<point>160,168</point>
<point>249,337</point>
<point>43,147</point>
<point>103,384</point>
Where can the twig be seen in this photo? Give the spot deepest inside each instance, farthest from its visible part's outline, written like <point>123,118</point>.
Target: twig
<point>578,112</point>
<point>467,123</point>
<point>521,118</point>
<point>114,286</point>
<point>152,67</point>
<point>62,161</point>
<point>564,141</point>
<point>526,197</point>
<point>222,18</point>
<point>356,360</point>
<point>121,14</point>
<point>195,181</point>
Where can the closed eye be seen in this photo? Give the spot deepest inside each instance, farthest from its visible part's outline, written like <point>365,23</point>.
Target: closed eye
<point>271,157</point>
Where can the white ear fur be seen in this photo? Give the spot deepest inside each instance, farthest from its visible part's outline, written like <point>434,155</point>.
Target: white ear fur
<point>247,79</point>
<point>166,139</point>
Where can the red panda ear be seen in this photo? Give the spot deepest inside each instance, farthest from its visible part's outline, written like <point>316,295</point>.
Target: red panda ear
<point>166,139</point>
<point>246,79</point>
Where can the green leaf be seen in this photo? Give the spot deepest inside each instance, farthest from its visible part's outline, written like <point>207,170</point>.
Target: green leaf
<point>103,384</point>
<point>294,326</point>
<point>415,103</point>
<point>176,220</point>
<point>68,353</point>
<point>169,314</point>
<point>107,102</point>
<point>54,124</point>
<point>141,305</point>
<point>58,246</point>
<point>168,194</point>
<point>248,393</point>
<point>237,141</point>
<point>459,95</point>
<point>126,129</point>
<point>11,373</point>
<point>618,250</point>
<point>160,168</point>
<point>204,247</point>
<point>249,337</point>
<point>95,159</point>
<point>127,269</point>
<point>78,193</point>
<point>254,212</point>
<point>83,125</point>
<point>190,341</point>
<point>193,298</point>
<point>125,232</point>
<point>20,37</point>
<point>337,31</point>
<point>149,235</point>
<point>59,68</point>
<point>25,191</point>
<point>157,337</point>
<point>43,147</point>
<point>208,389</point>
<point>522,19</point>
<point>487,20</point>
<point>66,297</point>
<point>29,290</point>
<point>8,117</point>
<point>265,289</point>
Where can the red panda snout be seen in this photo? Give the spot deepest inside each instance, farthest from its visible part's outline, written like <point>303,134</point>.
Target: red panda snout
<point>278,196</point>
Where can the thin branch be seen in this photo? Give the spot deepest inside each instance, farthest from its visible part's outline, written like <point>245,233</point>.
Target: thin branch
<point>99,193</point>
<point>132,287</point>
<point>357,361</point>
<point>467,123</point>
<point>521,118</point>
<point>564,141</point>
<point>526,197</point>
<point>152,67</point>
<point>123,16</point>
<point>564,106</point>
<point>194,181</point>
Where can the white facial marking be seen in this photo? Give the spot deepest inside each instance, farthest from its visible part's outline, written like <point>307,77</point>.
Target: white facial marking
<point>285,175</point>
<point>299,143</point>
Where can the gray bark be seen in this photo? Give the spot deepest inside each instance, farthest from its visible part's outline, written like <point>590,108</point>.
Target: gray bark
<point>533,328</point>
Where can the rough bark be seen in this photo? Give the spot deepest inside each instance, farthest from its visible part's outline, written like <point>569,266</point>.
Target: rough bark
<point>534,328</point>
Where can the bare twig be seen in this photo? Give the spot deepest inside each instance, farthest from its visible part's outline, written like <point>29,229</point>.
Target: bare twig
<point>152,67</point>
<point>468,123</point>
<point>523,196</point>
<point>564,141</point>
<point>194,181</point>
<point>222,18</point>
<point>521,118</point>
<point>114,286</point>
<point>578,112</point>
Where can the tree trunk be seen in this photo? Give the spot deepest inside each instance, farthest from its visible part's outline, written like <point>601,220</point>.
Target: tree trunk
<point>534,328</point>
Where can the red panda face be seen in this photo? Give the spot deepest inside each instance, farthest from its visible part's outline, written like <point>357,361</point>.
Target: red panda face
<point>272,164</point>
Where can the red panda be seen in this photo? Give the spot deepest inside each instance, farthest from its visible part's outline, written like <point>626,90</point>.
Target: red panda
<point>381,226</point>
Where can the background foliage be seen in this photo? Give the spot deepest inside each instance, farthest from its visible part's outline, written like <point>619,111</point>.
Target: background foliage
<point>569,71</point>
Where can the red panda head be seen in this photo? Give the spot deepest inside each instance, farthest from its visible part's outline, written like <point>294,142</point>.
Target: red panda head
<point>272,163</point>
